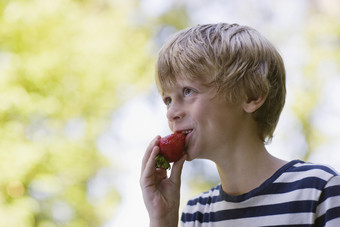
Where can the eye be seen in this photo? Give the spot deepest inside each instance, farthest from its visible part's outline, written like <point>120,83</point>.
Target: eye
<point>167,101</point>
<point>187,91</point>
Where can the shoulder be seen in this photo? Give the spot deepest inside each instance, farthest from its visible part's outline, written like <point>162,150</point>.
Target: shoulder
<point>305,166</point>
<point>300,171</point>
<point>317,181</point>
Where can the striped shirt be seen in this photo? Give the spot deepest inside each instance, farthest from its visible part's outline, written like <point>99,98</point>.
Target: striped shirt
<point>298,194</point>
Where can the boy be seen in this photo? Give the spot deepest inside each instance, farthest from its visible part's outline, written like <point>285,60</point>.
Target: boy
<point>224,86</point>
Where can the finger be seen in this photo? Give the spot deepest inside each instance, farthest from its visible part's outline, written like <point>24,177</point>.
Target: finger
<point>176,171</point>
<point>161,174</point>
<point>149,169</point>
<point>147,154</point>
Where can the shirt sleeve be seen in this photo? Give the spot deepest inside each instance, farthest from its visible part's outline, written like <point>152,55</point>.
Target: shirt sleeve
<point>328,209</point>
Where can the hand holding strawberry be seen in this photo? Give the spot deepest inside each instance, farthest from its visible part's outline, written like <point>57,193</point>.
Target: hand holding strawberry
<point>161,193</point>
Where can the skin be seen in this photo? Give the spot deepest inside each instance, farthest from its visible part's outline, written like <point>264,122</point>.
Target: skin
<point>160,193</point>
<point>223,133</point>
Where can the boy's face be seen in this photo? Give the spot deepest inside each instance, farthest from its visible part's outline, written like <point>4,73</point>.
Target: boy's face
<point>212,123</point>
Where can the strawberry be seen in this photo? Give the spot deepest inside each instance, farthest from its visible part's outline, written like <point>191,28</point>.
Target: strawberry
<point>171,150</point>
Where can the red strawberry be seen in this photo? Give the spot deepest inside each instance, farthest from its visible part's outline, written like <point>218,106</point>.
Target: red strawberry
<point>171,150</point>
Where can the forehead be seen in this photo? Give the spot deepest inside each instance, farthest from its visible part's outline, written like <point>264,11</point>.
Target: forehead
<point>182,81</point>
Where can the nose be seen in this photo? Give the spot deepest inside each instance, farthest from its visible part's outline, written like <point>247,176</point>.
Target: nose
<point>175,112</point>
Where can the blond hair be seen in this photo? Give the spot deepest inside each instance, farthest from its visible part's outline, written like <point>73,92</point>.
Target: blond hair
<point>238,61</point>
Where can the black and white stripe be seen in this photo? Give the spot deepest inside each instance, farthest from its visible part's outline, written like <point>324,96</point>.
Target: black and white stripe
<point>299,194</point>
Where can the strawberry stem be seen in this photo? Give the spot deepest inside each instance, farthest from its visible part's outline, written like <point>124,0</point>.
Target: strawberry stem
<point>162,162</point>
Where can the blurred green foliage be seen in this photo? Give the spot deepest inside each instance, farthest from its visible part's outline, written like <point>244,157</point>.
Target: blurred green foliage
<point>65,66</point>
<point>322,32</point>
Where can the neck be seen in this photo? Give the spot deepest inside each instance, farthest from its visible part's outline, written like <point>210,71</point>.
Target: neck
<point>247,167</point>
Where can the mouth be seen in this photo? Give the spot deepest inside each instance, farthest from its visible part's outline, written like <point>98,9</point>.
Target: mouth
<point>186,131</point>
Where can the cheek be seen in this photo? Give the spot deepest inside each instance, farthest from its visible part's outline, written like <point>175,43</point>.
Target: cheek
<point>200,112</point>
<point>205,114</point>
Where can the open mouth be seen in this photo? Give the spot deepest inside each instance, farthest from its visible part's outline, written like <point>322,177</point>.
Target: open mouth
<point>187,131</point>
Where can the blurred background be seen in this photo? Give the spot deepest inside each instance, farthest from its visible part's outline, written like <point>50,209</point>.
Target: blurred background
<point>78,104</point>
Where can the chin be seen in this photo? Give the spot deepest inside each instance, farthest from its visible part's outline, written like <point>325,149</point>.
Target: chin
<point>191,156</point>
<point>189,159</point>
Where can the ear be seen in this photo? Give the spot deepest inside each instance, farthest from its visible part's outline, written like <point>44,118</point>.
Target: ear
<point>253,104</point>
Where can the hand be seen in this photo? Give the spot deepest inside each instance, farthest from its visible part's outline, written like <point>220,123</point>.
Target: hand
<point>161,193</point>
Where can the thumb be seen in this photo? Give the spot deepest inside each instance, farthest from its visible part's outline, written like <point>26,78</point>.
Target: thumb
<point>176,171</point>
